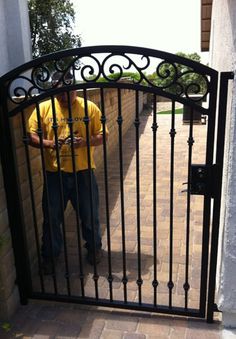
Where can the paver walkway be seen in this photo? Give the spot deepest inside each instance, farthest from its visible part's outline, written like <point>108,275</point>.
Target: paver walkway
<point>49,320</point>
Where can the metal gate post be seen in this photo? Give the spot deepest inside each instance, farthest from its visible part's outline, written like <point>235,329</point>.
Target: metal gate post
<point>224,78</point>
<point>14,207</point>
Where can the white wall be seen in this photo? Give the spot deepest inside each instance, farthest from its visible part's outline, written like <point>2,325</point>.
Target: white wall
<point>3,40</point>
<point>222,48</point>
<point>15,34</point>
<point>223,58</point>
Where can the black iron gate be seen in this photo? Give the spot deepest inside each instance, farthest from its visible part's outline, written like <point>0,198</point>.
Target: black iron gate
<point>155,231</point>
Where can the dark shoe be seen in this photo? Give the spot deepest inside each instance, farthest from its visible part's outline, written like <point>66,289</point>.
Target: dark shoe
<point>98,256</point>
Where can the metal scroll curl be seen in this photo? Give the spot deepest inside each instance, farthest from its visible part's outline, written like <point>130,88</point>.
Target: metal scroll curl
<point>24,87</point>
<point>194,84</point>
<point>20,89</point>
<point>40,76</point>
<point>144,70</point>
<point>116,67</point>
<point>89,69</point>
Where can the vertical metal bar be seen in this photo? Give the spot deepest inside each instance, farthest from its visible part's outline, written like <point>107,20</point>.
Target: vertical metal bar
<point>120,121</point>
<point>224,78</point>
<point>172,136</point>
<point>137,123</point>
<point>55,127</point>
<point>86,121</point>
<point>154,129</point>
<point>36,233</point>
<point>103,121</point>
<point>207,204</point>
<point>70,124</point>
<point>190,141</point>
<point>40,134</point>
<point>14,206</point>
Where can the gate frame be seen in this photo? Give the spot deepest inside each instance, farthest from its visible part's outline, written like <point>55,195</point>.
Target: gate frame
<point>10,175</point>
<point>220,138</point>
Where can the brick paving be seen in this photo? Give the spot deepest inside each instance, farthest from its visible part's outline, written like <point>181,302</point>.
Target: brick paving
<point>42,320</point>
<point>56,320</point>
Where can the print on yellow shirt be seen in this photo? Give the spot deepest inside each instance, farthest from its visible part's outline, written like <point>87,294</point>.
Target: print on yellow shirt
<point>63,132</point>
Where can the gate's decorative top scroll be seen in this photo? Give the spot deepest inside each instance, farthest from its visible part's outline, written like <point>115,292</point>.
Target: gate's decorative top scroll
<point>105,66</point>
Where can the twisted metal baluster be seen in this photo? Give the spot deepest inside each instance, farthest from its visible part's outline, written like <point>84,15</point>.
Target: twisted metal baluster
<point>190,142</point>
<point>70,124</point>
<point>36,232</point>
<point>137,123</point>
<point>55,128</point>
<point>172,136</point>
<point>40,134</point>
<point>120,121</point>
<point>103,120</point>
<point>155,282</point>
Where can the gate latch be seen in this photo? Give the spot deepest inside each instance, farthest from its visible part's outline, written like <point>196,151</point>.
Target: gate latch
<point>199,182</point>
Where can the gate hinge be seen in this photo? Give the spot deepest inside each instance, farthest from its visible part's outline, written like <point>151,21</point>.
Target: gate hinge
<point>204,180</point>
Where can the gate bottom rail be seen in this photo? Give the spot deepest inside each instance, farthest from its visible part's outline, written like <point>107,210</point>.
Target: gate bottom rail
<point>190,312</point>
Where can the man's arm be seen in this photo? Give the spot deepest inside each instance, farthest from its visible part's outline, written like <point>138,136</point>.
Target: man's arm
<point>34,141</point>
<point>95,140</point>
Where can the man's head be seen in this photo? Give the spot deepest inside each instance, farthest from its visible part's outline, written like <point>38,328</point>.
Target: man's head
<point>59,80</point>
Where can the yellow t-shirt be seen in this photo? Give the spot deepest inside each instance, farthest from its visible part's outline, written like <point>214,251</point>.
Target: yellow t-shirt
<point>63,131</point>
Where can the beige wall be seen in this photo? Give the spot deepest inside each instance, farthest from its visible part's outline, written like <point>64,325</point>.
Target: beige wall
<point>8,290</point>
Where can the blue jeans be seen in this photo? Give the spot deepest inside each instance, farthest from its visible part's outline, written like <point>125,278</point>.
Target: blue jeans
<point>56,210</point>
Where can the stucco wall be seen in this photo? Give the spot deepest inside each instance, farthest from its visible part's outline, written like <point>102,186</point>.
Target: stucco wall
<point>223,58</point>
<point>4,65</point>
<point>222,43</point>
<point>15,39</point>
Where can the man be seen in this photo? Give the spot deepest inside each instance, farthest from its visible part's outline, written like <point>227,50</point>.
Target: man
<point>63,116</point>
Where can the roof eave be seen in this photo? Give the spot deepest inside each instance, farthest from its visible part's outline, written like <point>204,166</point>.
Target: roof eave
<point>206,7</point>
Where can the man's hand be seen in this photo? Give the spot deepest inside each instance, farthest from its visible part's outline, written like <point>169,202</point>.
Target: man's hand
<point>95,140</point>
<point>52,144</point>
<point>79,142</point>
<point>60,143</point>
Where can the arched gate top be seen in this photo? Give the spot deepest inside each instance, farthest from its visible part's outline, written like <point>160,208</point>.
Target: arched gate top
<point>107,66</point>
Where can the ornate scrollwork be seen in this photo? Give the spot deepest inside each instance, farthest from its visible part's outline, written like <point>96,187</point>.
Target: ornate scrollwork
<point>89,68</point>
<point>112,67</point>
<point>18,91</point>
